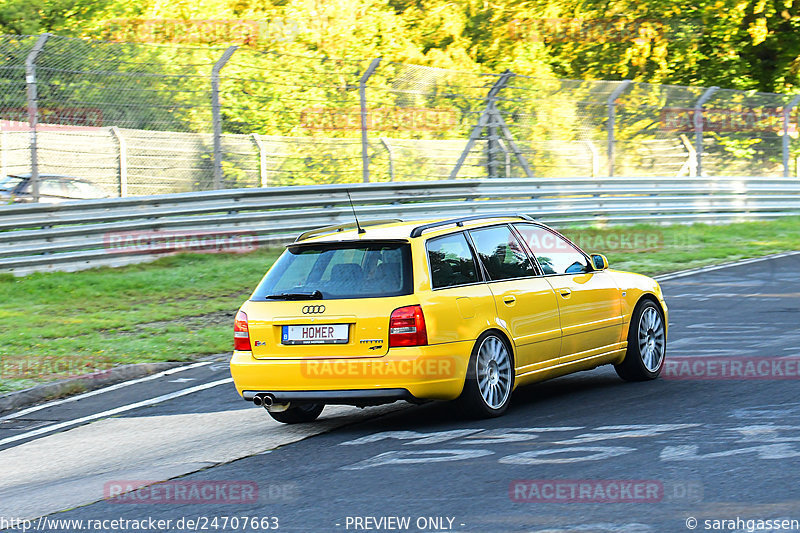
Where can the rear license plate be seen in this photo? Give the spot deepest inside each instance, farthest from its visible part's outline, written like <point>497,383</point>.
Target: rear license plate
<point>316,334</point>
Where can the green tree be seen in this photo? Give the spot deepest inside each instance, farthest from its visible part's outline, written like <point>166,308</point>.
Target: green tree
<point>57,16</point>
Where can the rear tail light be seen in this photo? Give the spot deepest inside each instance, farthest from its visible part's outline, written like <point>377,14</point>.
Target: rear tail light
<point>407,327</point>
<point>241,335</point>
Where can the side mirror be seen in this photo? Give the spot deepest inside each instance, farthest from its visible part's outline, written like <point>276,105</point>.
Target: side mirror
<point>599,262</point>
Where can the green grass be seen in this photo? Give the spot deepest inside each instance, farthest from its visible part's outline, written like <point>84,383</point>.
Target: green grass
<point>181,307</point>
<point>697,245</point>
<point>177,308</point>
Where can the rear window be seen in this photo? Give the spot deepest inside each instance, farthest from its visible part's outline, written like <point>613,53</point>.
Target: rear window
<point>8,183</point>
<point>341,271</point>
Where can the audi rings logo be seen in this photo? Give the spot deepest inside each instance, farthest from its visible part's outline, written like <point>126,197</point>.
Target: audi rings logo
<point>313,309</point>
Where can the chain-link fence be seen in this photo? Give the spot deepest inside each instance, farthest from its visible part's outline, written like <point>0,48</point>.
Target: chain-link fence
<point>138,119</point>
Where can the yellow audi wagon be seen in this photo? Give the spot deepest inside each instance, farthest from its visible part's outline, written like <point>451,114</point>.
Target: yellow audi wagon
<point>460,309</point>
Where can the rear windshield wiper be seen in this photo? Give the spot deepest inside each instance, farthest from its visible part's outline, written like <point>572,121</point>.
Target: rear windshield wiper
<point>316,295</point>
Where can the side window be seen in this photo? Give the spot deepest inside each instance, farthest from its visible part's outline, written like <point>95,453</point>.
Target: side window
<point>51,188</point>
<point>81,189</point>
<point>501,253</point>
<point>451,261</point>
<point>553,253</point>
<point>71,190</point>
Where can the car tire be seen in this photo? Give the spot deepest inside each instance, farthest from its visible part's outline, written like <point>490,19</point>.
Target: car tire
<point>298,414</point>
<point>490,378</point>
<point>647,344</point>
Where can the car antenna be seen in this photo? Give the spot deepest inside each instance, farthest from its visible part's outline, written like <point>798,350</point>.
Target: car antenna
<point>360,229</point>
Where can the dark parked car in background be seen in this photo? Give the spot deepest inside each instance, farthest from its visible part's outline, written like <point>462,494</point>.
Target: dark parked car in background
<point>53,188</point>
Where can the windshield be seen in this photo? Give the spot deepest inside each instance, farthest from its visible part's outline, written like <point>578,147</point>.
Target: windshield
<point>339,271</point>
<point>8,183</point>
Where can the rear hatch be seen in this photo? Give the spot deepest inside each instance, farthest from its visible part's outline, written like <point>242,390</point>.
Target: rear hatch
<point>330,300</point>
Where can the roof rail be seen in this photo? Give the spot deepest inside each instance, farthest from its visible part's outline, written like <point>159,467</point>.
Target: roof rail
<point>416,232</point>
<point>342,227</point>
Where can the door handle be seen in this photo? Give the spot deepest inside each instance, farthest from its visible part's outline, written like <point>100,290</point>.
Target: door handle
<point>565,292</point>
<point>509,299</point>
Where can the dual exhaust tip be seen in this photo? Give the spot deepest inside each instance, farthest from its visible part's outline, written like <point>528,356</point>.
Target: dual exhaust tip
<point>263,400</point>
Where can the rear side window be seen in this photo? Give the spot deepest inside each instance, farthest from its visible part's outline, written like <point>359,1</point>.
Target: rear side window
<point>340,271</point>
<point>501,253</point>
<point>451,261</point>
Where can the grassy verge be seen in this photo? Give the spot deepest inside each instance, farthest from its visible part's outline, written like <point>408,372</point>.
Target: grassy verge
<point>55,325</point>
<point>683,247</point>
<point>177,308</point>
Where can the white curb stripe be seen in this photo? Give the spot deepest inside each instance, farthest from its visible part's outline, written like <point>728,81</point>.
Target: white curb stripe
<point>115,411</point>
<point>104,389</point>
<point>701,270</point>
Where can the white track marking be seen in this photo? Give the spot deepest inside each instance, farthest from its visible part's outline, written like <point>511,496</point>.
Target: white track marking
<point>104,389</point>
<point>689,272</point>
<point>115,411</point>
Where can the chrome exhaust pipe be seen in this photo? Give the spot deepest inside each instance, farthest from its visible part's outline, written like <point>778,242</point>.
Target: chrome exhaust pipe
<point>263,400</point>
<point>269,402</point>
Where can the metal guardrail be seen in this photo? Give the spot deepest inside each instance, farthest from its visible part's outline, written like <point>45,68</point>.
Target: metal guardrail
<point>75,235</point>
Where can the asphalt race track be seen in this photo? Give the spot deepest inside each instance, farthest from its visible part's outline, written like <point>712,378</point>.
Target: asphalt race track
<point>583,453</point>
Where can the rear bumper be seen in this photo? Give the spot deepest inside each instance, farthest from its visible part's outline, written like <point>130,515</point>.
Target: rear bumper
<point>333,397</point>
<point>422,372</point>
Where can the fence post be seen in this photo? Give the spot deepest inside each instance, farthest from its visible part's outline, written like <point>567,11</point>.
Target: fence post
<point>506,156</point>
<point>33,110</point>
<point>362,93</point>
<point>262,160</point>
<point>698,127</point>
<point>595,158</point>
<point>611,102</point>
<point>123,161</point>
<point>691,164</point>
<point>786,112</point>
<point>492,123</point>
<point>493,146</point>
<point>389,151</point>
<point>491,117</point>
<point>215,114</point>
<point>3,171</point>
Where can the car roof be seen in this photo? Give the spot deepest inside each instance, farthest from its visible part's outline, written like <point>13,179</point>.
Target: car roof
<point>402,230</point>
<point>61,177</point>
